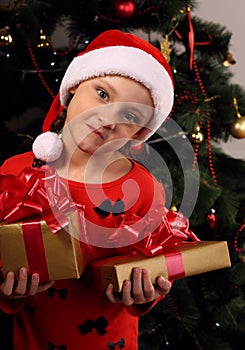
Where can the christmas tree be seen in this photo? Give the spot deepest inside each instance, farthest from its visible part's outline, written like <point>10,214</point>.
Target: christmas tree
<point>205,311</point>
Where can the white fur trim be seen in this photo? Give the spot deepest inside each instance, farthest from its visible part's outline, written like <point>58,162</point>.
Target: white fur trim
<point>126,61</point>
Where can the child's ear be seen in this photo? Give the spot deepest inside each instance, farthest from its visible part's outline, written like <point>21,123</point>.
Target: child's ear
<point>73,90</point>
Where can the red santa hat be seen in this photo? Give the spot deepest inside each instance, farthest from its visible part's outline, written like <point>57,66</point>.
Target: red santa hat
<point>117,53</point>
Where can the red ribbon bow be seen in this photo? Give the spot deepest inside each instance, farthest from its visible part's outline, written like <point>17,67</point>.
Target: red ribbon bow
<point>35,191</point>
<point>153,234</point>
<point>173,229</point>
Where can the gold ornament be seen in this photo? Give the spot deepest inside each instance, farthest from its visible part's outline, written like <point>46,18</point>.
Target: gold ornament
<point>196,136</point>
<point>5,37</point>
<point>43,40</point>
<point>237,128</point>
<point>173,208</point>
<point>165,48</point>
<point>229,60</point>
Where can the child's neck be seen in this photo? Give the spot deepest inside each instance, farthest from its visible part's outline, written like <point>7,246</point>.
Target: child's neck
<point>86,168</point>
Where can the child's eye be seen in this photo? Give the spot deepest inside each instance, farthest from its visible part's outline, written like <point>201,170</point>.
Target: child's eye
<point>103,94</point>
<point>131,117</point>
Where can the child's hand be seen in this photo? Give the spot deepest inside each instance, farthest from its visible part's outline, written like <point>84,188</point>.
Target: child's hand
<point>22,289</point>
<point>140,290</point>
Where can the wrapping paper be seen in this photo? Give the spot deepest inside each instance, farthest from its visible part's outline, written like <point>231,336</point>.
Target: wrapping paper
<point>30,243</point>
<point>179,261</point>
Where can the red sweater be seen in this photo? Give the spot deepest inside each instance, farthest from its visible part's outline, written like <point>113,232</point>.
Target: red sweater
<point>72,315</point>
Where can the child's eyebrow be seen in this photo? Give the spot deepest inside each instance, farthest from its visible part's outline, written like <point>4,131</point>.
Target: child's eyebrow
<point>109,85</point>
<point>135,107</point>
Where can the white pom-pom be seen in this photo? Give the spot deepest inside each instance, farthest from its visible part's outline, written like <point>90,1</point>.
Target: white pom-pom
<point>47,147</point>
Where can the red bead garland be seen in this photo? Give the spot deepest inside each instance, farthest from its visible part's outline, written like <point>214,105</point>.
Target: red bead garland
<point>39,72</point>
<point>237,235</point>
<point>138,13</point>
<point>200,84</point>
<point>64,53</point>
<point>210,157</point>
<point>196,150</point>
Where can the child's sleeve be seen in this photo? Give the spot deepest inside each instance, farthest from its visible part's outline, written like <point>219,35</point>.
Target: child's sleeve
<point>16,164</point>
<point>11,307</point>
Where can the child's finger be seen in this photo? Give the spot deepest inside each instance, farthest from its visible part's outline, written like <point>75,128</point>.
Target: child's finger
<point>164,285</point>
<point>137,289</point>
<point>110,294</point>
<point>126,293</point>
<point>149,291</point>
<point>7,286</point>
<point>22,282</point>
<point>137,282</point>
<point>34,284</point>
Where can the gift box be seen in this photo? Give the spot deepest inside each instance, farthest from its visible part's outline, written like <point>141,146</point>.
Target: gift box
<point>30,243</point>
<point>182,260</point>
<point>41,227</point>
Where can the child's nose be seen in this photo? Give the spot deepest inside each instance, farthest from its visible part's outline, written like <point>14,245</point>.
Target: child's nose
<point>108,117</point>
<point>106,122</point>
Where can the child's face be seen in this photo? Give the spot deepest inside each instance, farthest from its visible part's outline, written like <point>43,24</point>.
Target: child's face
<point>106,109</point>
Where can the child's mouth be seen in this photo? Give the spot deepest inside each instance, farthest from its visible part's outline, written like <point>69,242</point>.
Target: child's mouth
<point>95,131</point>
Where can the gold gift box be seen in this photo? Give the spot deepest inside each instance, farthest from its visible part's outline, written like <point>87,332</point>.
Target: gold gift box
<point>62,250</point>
<point>183,260</point>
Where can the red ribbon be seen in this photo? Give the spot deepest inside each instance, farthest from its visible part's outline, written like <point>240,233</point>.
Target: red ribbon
<point>35,191</point>
<point>175,265</point>
<point>189,39</point>
<point>156,235</point>
<point>34,248</point>
<point>173,228</point>
<point>173,259</point>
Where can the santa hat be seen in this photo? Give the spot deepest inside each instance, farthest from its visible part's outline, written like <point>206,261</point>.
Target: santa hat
<point>117,53</point>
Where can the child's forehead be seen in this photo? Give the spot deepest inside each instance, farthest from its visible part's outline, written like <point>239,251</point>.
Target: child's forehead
<point>113,77</point>
<point>114,80</point>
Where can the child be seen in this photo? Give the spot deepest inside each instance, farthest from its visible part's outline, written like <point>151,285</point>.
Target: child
<point>119,89</point>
